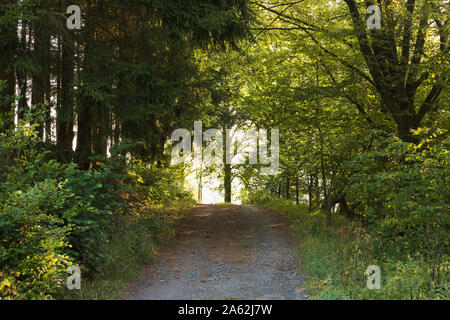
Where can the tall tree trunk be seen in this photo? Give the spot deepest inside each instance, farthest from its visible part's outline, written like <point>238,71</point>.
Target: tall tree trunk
<point>84,136</point>
<point>288,187</point>
<point>46,51</point>
<point>116,132</point>
<point>8,46</point>
<point>227,183</point>
<point>317,189</point>
<point>100,129</point>
<point>22,75</point>
<point>66,108</point>
<point>397,78</point>
<point>297,200</point>
<point>227,180</point>
<point>200,185</point>
<point>324,182</point>
<point>39,56</point>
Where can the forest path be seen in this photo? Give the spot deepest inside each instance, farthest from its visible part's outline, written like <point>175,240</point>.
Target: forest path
<point>224,252</point>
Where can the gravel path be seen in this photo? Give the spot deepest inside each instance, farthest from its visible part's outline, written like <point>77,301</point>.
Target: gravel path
<point>224,252</point>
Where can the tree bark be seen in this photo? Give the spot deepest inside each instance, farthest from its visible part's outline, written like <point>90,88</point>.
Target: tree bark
<point>86,106</point>
<point>200,185</point>
<point>318,193</point>
<point>100,128</point>
<point>39,89</point>
<point>397,78</point>
<point>324,183</point>
<point>66,108</point>
<point>84,137</point>
<point>8,46</point>
<point>22,75</point>
<point>288,187</point>
<point>227,183</point>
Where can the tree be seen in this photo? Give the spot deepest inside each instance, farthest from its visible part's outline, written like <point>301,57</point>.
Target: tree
<point>129,73</point>
<point>8,47</point>
<point>405,62</point>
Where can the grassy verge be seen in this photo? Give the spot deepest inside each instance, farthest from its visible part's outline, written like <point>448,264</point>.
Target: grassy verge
<point>133,240</point>
<point>335,259</point>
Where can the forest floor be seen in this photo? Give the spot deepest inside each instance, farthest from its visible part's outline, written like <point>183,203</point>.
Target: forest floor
<point>224,252</point>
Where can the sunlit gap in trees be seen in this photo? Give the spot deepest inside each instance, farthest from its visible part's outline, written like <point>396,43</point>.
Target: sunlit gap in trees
<point>206,182</point>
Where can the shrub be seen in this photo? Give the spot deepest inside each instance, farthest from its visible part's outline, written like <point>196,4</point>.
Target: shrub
<point>33,243</point>
<point>49,212</point>
<point>53,215</point>
<point>158,185</point>
<point>406,200</point>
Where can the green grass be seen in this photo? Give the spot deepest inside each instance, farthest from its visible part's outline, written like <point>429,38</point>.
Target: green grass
<point>133,240</point>
<point>335,259</point>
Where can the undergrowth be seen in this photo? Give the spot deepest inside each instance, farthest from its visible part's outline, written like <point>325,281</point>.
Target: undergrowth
<point>133,240</point>
<point>335,259</point>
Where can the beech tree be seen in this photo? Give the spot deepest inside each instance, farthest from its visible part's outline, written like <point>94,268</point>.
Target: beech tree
<point>405,62</point>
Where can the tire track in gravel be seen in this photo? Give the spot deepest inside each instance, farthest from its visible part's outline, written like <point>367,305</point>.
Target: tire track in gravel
<point>224,252</point>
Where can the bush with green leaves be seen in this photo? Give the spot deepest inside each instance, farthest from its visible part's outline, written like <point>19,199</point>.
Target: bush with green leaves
<point>53,215</point>
<point>404,194</point>
<point>34,242</point>
<point>159,185</point>
<point>49,212</point>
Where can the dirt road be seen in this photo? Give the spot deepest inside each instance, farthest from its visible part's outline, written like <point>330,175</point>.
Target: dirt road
<point>225,252</point>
